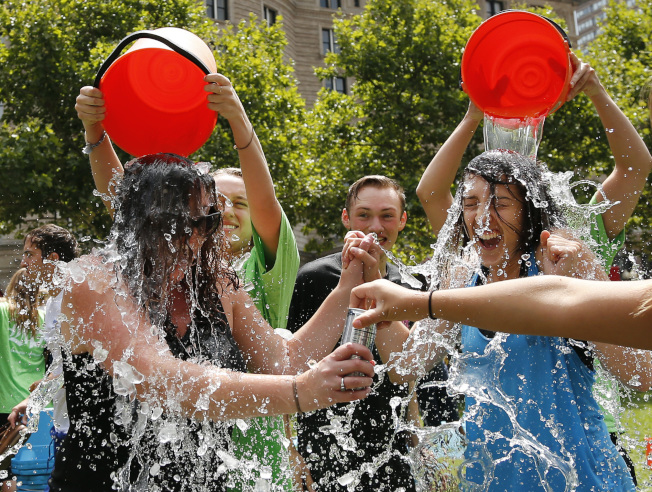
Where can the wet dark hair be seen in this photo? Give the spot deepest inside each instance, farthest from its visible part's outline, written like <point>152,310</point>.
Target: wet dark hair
<point>51,238</point>
<point>523,177</point>
<point>374,181</point>
<point>152,227</point>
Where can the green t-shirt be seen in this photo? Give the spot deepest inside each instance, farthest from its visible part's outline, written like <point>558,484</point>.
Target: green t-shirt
<point>604,247</point>
<point>272,289</point>
<point>607,249</point>
<point>262,442</point>
<point>21,360</point>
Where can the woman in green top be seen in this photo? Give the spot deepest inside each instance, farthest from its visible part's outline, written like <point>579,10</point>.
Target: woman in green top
<point>22,360</point>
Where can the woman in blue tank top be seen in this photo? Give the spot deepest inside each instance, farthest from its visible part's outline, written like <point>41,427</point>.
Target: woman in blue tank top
<point>542,423</point>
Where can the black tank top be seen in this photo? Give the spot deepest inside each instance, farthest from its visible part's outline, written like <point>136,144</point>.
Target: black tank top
<point>97,445</point>
<point>192,461</point>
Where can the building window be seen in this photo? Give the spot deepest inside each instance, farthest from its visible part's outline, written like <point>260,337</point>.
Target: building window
<point>337,84</point>
<point>494,7</point>
<point>328,41</point>
<point>269,15</point>
<point>356,3</point>
<point>217,9</point>
<point>330,4</point>
<point>587,38</point>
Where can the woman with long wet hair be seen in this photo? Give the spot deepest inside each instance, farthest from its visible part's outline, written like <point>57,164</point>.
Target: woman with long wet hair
<point>157,331</point>
<point>22,348</point>
<point>536,418</point>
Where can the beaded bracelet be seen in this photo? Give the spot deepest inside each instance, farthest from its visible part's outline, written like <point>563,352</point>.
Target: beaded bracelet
<point>88,148</point>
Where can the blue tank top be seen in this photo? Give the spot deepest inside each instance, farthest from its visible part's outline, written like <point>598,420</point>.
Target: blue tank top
<point>544,395</point>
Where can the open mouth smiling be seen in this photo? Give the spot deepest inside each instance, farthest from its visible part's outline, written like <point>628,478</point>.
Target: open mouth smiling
<point>489,240</point>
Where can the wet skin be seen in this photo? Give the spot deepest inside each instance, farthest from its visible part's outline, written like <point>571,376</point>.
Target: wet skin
<point>494,223</point>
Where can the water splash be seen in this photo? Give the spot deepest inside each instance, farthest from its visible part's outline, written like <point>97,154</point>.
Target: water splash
<point>175,438</point>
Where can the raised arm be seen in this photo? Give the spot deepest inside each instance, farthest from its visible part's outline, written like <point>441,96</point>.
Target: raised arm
<point>632,158</point>
<point>105,164</point>
<point>266,212</point>
<point>434,189</point>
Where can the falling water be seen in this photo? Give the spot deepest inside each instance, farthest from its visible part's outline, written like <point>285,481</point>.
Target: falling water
<point>476,376</point>
<point>517,134</point>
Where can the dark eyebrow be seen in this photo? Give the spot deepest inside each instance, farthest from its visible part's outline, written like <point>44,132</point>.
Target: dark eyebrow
<point>387,209</point>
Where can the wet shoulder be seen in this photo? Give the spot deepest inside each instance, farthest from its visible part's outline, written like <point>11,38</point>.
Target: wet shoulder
<point>87,273</point>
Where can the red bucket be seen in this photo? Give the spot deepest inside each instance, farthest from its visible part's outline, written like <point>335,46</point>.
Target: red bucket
<point>154,93</point>
<point>517,65</point>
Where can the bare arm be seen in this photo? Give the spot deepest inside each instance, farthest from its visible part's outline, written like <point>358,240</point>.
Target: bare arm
<point>434,189</point>
<point>564,255</point>
<point>109,326</point>
<point>105,164</point>
<point>545,305</point>
<point>268,352</point>
<point>632,158</point>
<point>266,212</point>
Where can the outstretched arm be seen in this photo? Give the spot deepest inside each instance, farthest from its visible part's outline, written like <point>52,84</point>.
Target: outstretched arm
<point>101,322</point>
<point>633,161</point>
<point>434,189</point>
<point>105,164</point>
<point>564,255</point>
<point>266,212</point>
<point>547,305</point>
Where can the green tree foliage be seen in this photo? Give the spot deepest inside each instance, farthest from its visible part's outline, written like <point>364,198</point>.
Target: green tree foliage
<point>405,59</point>
<point>403,55</point>
<point>574,138</point>
<point>252,56</point>
<point>51,49</point>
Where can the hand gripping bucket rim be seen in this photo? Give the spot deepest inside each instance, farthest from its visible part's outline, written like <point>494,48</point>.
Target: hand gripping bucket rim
<point>516,64</point>
<point>154,93</point>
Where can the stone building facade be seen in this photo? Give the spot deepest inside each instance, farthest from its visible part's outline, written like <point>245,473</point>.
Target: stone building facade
<point>308,25</point>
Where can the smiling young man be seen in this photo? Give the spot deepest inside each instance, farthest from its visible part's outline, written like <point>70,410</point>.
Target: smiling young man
<point>374,204</point>
<point>42,247</point>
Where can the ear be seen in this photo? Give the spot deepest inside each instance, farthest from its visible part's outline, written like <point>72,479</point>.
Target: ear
<point>53,257</point>
<point>402,222</point>
<point>345,219</point>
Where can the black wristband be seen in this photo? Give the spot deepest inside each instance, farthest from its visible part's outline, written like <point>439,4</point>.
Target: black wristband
<point>430,315</point>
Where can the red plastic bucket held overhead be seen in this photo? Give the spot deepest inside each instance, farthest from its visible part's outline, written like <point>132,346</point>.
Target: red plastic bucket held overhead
<point>517,65</point>
<point>154,93</point>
